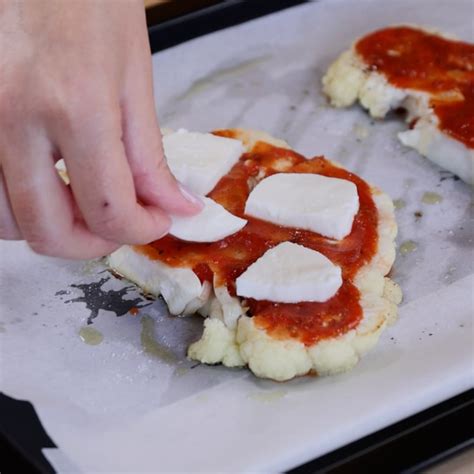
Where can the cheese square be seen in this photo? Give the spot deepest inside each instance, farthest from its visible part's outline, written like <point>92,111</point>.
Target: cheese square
<point>199,160</point>
<point>306,201</point>
<point>213,223</point>
<point>290,273</point>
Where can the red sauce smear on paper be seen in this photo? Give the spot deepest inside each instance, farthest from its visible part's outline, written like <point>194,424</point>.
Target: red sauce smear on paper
<point>228,258</point>
<point>414,59</point>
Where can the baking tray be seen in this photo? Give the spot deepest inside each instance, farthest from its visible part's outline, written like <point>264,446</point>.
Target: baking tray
<point>448,422</point>
<point>409,446</point>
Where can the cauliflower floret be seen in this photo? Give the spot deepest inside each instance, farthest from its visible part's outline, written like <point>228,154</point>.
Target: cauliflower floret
<point>346,81</point>
<point>343,80</point>
<point>333,356</point>
<point>217,345</point>
<point>378,97</point>
<point>268,357</point>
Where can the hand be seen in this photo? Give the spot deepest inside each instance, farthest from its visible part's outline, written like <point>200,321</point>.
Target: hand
<point>76,83</point>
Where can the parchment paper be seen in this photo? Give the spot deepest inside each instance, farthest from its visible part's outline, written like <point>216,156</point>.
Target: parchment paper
<point>133,402</point>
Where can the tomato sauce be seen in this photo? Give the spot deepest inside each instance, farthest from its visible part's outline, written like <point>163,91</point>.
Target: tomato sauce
<point>228,258</point>
<point>414,59</point>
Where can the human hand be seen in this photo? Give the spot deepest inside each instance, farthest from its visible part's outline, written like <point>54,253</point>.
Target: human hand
<point>76,84</point>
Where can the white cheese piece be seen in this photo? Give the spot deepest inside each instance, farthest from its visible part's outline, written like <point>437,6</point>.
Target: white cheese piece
<point>180,287</point>
<point>430,141</point>
<point>213,223</point>
<point>199,160</point>
<point>306,201</point>
<point>290,273</point>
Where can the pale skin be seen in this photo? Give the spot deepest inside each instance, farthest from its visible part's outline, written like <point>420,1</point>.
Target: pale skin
<point>76,84</point>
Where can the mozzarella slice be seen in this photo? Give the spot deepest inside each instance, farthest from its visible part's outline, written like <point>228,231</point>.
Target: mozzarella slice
<point>306,201</point>
<point>199,160</point>
<point>213,223</point>
<point>180,287</point>
<point>290,273</point>
<point>440,148</point>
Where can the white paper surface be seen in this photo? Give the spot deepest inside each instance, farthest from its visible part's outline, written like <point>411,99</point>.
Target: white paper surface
<point>131,404</point>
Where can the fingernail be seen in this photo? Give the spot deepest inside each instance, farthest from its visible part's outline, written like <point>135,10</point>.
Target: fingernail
<point>190,196</point>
